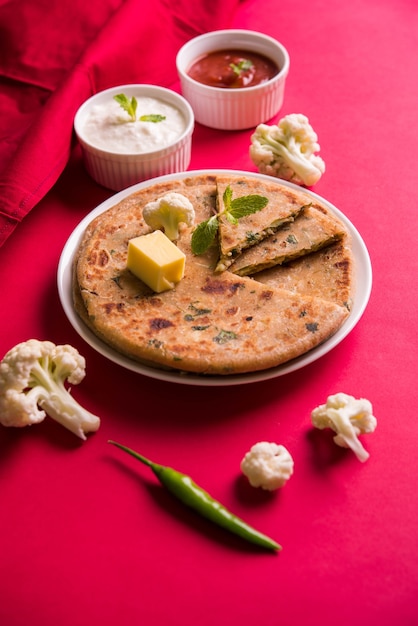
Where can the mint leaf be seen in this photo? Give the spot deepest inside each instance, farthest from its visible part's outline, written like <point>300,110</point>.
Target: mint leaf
<point>153,117</point>
<point>204,235</point>
<point>227,198</point>
<point>247,205</point>
<point>231,219</point>
<point>241,66</point>
<point>128,105</point>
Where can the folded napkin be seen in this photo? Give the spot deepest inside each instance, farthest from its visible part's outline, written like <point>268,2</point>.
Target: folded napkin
<point>54,55</point>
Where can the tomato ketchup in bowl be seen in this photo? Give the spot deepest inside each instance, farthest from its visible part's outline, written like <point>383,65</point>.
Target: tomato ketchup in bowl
<point>233,69</point>
<point>233,79</point>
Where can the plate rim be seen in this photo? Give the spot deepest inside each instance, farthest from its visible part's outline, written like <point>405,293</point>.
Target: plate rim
<point>64,285</point>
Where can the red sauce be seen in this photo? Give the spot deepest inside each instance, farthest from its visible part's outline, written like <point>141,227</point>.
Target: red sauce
<point>233,69</point>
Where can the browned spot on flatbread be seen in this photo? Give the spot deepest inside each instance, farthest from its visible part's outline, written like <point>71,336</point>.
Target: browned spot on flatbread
<point>158,323</point>
<point>215,286</point>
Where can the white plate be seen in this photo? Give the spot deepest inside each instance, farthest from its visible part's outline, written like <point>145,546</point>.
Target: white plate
<point>363,277</point>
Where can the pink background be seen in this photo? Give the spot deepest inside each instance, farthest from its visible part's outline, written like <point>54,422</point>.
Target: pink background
<point>86,534</point>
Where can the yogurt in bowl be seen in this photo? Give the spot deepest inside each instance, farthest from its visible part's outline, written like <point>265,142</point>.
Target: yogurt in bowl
<point>123,145</point>
<point>157,124</point>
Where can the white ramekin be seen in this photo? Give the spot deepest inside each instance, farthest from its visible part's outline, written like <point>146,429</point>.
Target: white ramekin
<point>117,171</point>
<point>233,109</point>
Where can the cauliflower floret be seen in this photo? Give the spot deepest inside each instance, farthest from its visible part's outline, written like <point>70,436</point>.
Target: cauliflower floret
<point>347,417</point>
<point>32,376</point>
<point>287,150</point>
<point>267,465</point>
<point>168,212</point>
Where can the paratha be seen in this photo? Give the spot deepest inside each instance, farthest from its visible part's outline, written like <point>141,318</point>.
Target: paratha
<point>327,273</point>
<point>283,206</point>
<point>312,229</point>
<point>210,323</point>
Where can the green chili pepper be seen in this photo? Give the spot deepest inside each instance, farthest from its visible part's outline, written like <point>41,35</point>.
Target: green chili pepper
<point>188,492</point>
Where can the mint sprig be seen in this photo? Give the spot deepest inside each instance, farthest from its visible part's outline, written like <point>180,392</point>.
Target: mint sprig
<point>153,117</point>
<point>130,105</point>
<point>204,234</point>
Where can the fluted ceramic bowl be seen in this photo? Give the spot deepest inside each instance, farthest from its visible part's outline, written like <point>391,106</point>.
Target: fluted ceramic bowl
<point>114,155</point>
<point>233,108</point>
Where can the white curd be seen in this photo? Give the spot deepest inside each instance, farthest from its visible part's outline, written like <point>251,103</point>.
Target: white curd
<point>109,127</point>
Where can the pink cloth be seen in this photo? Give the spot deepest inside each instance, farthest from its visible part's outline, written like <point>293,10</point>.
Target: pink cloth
<point>77,49</point>
<point>87,536</point>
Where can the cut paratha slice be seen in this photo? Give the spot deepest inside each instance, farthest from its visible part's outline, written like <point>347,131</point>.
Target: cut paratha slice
<point>328,273</point>
<point>283,206</point>
<point>313,229</point>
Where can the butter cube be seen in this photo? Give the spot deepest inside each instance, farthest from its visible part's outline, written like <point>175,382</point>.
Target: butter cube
<point>156,260</point>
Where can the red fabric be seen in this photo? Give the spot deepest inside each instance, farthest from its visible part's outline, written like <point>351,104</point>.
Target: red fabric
<point>87,537</point>
<point>76,50</point>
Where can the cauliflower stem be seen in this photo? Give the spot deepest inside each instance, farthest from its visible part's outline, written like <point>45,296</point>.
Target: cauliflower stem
<point>348,417</point>
<point>53,397</point>
<point>32,384</point>
<point>287,150</point>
